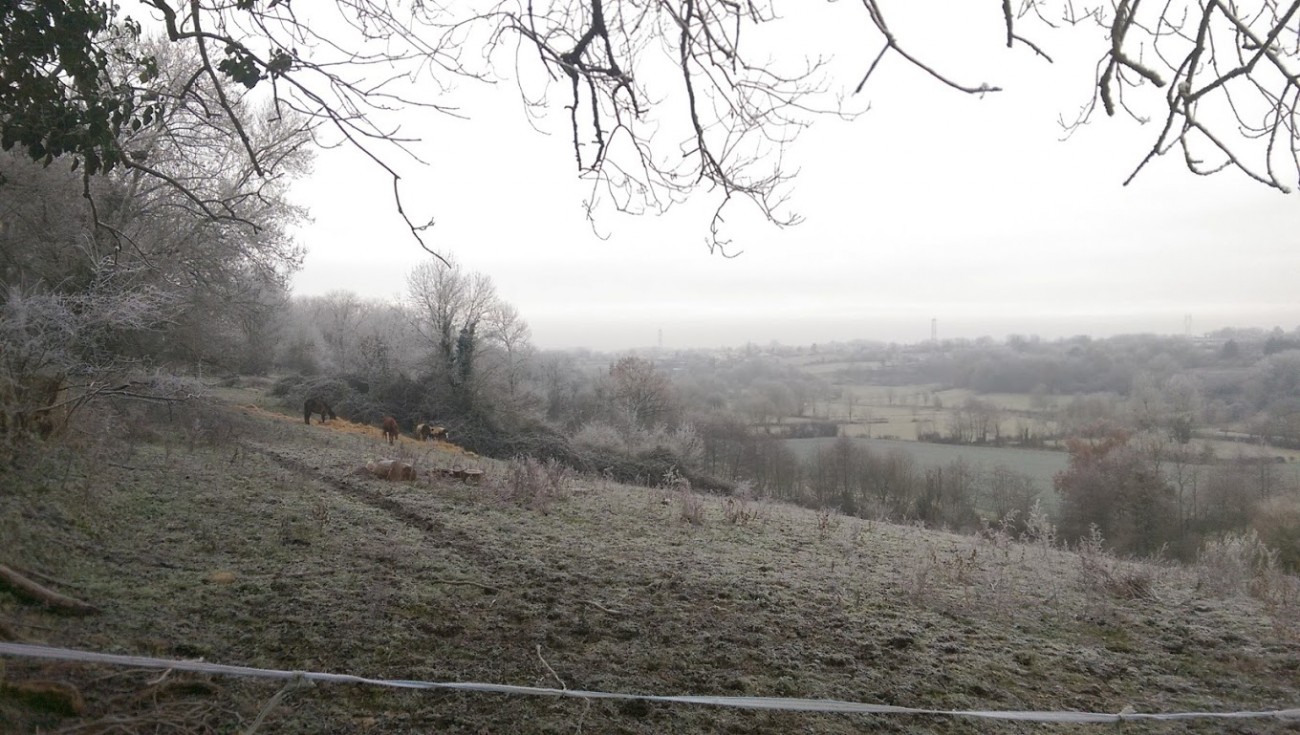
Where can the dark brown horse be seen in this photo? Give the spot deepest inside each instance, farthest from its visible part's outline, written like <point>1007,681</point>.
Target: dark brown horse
<point>317,405</point>
<point>391,430</point>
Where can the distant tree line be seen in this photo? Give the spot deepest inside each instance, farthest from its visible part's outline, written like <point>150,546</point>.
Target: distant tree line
<point>1147,496</point>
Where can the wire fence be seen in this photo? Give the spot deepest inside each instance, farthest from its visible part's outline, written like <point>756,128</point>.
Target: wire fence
<point>25,650</point>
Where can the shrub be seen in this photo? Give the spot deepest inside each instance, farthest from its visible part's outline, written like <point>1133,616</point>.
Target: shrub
<point>1235,562</point>
<point>532,483</point>
<point>1039,528</point>
<point>531,439</point>
<point>288,385</point>
<point>1100,572</point>
<point>692,508</point>
<point>738,509</point>
<point>1277,521</point>
<point>598,436</point>
<point>1115,487</point>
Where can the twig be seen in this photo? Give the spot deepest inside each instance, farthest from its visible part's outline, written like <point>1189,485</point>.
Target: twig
<point>160,678</point>
<point>548,668</point>
<point>133,468</point>
<point>586,707</point>
<point>601,607</point>
<point>293,685</point>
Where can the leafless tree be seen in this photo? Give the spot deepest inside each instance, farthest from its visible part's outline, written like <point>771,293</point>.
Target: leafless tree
<point>1226,74</point>
<point>338,316</point>
<point>1007,493</point>
<point>58,350</point>
<point>508,334</point>
<point>445,300</point>
<point>640,396</point>
<point>668,97</point>
<point>103,276</point>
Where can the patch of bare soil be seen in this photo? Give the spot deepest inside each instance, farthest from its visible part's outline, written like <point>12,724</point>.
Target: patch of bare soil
<point>255,541</point>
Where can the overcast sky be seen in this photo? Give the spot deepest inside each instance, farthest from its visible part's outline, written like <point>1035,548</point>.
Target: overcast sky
<point>931,205</point>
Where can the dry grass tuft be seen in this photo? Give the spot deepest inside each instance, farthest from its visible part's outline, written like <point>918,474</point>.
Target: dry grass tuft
<point>532,483</point>
<point>739,508</point>
<point>691,506</point>
<point>1101,572</point>
<point>1234,563</point>
<point>1242,563</point>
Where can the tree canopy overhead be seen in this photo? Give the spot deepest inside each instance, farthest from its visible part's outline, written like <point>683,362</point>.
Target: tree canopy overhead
<point>664,98</point>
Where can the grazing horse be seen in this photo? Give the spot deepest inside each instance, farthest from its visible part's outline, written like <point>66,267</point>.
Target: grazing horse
<point>425,432</point>
<point>317,405</point>
<point>391,431</point>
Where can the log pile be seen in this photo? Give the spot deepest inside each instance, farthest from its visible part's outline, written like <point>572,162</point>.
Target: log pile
<point>391,469</point>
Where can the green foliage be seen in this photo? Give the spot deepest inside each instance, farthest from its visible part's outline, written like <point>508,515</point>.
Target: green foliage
<point>57,95</point>
<point>240,66</point>
<point>280,63</point>
<point>466,346</point>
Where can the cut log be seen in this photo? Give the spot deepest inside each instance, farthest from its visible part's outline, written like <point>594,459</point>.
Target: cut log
<point>391,469</point>
<point>472,477</point>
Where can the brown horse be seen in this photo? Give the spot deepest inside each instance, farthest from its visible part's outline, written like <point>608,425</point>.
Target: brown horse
<point>391,430</point>
<point>317,405</point>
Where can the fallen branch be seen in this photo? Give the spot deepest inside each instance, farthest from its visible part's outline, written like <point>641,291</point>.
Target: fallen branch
<point>599,606</point>
<point>548,668</point>
<point>43,577</point>
<point>47,597</point>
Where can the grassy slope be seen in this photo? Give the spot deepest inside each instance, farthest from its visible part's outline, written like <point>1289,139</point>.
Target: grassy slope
<point>606,587</point>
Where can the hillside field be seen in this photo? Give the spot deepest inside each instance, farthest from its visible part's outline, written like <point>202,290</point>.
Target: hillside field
<point>230,533</point>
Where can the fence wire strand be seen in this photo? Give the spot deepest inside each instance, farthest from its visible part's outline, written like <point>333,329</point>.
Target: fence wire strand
<point>788,704</point>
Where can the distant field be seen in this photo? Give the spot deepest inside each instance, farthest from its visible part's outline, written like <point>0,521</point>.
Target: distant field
<point>1039,464</point>
<point>1223,448</point>
<point>909,410</point>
